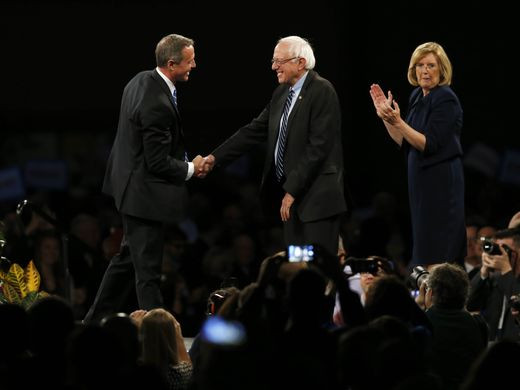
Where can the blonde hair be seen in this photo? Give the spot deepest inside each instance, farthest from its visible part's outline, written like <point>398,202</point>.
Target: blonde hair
<point>158,339</point>
<point>441,56</point>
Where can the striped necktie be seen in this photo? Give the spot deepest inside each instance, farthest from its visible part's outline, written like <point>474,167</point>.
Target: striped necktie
<point>174,94</point>
<point>282,137</point>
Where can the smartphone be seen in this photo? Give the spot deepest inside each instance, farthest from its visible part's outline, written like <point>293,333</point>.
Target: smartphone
<point>297,253</point>
<point>216,330</point>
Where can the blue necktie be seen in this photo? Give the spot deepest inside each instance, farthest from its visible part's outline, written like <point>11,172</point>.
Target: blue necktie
<point>174,94</point>
<point>282,137</point>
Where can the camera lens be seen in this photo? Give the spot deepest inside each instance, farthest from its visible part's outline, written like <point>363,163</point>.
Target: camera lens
<point>490,247</point>
<point>514,302</point>
<point>421,279</point>
<point>418,277</point>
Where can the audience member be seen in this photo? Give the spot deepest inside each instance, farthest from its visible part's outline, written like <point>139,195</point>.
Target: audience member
<point>162,346</point>
<point>51,321</point>
<point>458,336</point>
<point>496,368</point>
<point>48,261</point>
<point>215,301</point>
<point>15,343</point>
<point>497,282</point>
<point>308,348</point>
<point>515,221</point>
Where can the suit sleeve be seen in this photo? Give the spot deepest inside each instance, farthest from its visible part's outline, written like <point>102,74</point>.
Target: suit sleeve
<point>157,142</point>
<point>323,128</point>
<point>441,123</point>
<point>479,292</point>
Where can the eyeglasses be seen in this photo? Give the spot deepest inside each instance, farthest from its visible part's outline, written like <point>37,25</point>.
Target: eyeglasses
<point>281,62</point>
<point>428,66</point>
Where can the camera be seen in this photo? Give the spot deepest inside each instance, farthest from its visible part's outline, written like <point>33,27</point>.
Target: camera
<point>514,302</point>
<point>362,265</point>
<point>493,249</point>
<point>490,247</point>
<point>418,276</point>
<point>297,253</point>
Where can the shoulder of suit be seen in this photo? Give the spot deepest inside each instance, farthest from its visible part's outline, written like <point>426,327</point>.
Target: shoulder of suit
<point>314,78</point>
<point>141,77</point>
<point>144,74</point>
<point>443,93</point>
<point>443,90</point>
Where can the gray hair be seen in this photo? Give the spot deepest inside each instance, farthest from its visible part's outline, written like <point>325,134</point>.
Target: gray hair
<point>299,47</point>
<point>450,286</point>
<point>170,48</point>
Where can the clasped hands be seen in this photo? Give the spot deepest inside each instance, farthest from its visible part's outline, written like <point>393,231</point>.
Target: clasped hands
<point>386,107</point>
<point>203,165</point>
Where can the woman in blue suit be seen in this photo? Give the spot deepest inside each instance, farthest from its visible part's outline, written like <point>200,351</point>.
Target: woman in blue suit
<point>430,137</point>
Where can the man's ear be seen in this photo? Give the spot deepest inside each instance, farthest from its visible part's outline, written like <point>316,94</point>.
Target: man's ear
<point>302,62</point>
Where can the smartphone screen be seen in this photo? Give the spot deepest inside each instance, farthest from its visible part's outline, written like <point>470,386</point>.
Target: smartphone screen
<point>219,331</point>
<point>297,253</point>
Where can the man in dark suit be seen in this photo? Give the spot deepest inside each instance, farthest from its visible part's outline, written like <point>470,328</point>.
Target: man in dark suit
<point>146,174</point>
<point>458,337</point>
<point>495,284</point>
<point>303,170</point>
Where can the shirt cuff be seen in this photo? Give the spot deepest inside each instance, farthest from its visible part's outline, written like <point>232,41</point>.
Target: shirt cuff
<point>191,169</point>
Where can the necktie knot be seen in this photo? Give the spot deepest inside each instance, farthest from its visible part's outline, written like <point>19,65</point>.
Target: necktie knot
<point>282,136</point>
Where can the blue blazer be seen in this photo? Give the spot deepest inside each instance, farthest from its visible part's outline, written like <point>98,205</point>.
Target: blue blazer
<point>440,120</point>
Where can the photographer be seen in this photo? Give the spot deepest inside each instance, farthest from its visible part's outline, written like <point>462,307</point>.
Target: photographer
<point>499,279</point>
<point>458,336</point>
<point>367,270</point>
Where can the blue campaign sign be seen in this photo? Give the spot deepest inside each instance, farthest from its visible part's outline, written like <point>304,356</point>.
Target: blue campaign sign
<point>510,167</point>
<point>46,174</point>
<point>11,184</point>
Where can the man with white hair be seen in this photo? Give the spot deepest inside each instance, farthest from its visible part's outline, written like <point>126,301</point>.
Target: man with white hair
<point>302,180</point>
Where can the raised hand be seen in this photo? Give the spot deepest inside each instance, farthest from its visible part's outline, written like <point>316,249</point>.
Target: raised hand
<point>386,107</point>
<point>378,97</point>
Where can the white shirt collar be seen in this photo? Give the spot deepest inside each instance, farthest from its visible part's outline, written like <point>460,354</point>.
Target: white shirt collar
<point>299,84</point>
<point>168,81</point>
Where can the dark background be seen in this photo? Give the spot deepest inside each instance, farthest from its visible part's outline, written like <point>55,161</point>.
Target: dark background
<point>64,66</point>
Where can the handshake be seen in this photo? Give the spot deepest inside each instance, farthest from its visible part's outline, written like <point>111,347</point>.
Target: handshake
<point>203,165</point>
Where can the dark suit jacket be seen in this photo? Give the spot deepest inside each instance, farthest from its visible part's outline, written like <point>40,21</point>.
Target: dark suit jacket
<point>458,339</point>
<point>487,295</point>
<point>441,124</point>
<point>146,170</point>
<point>313,159</point>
